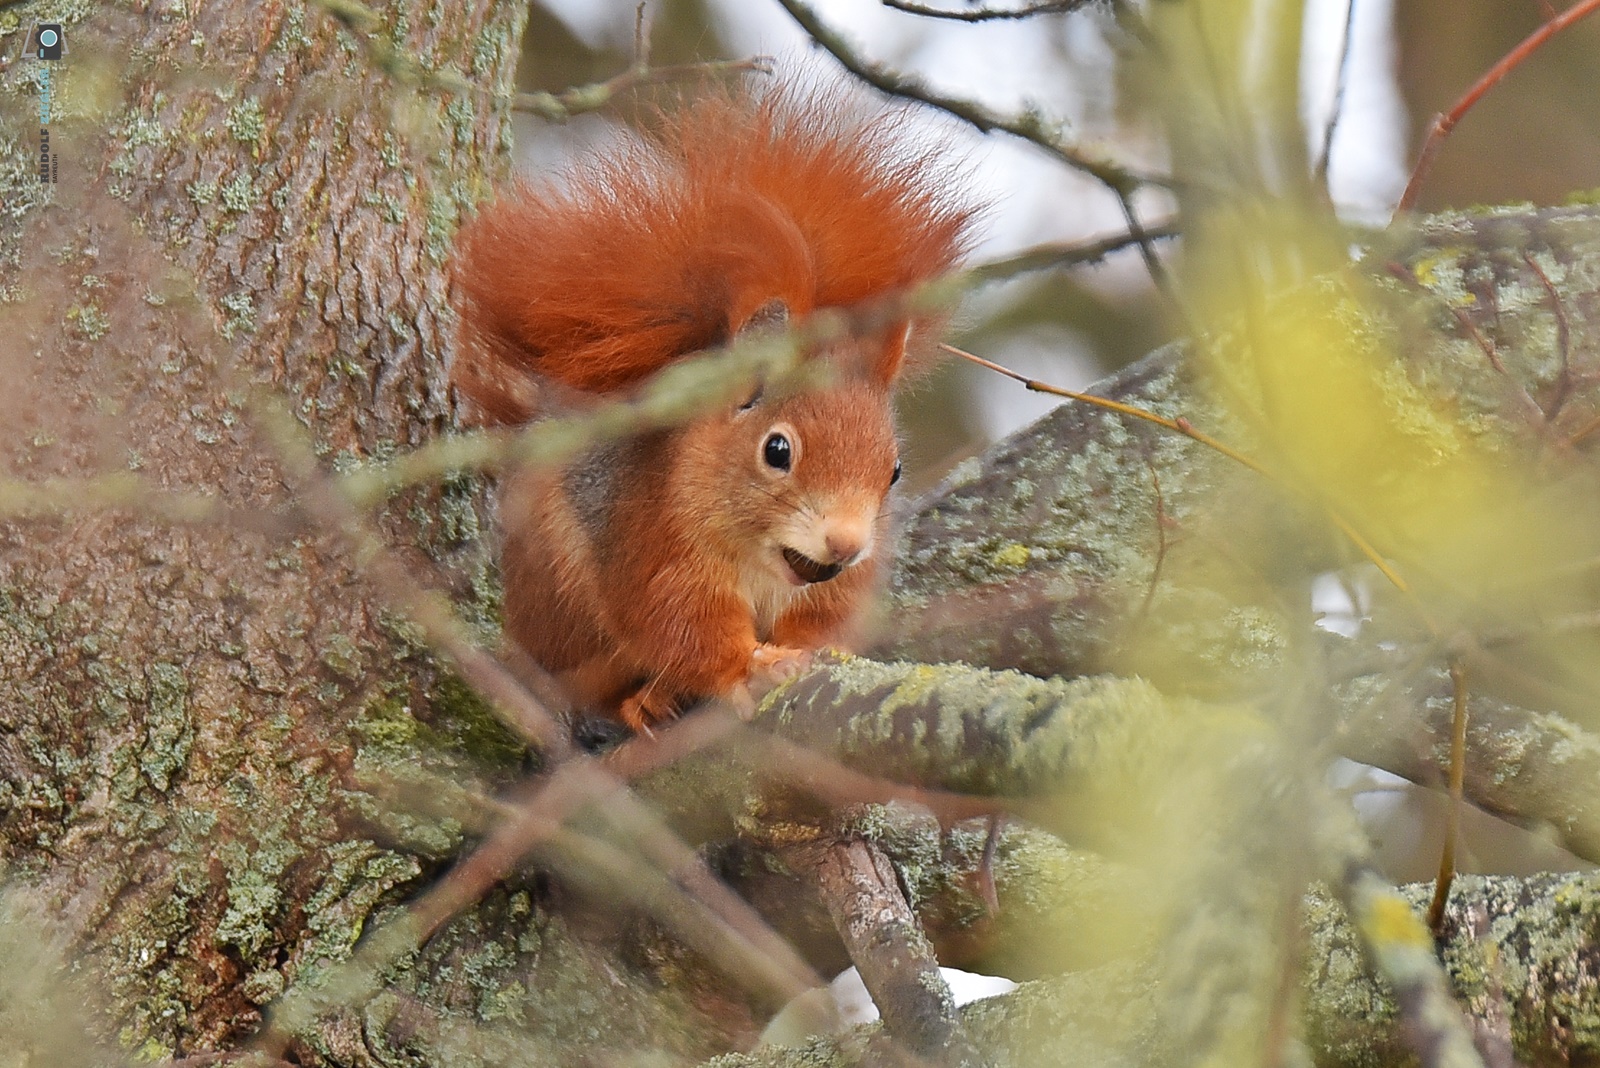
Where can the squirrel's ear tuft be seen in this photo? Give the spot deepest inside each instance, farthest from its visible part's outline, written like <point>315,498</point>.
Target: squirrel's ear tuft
<point>773,315</point>
<point>892,355</point>
<point>874,195</point>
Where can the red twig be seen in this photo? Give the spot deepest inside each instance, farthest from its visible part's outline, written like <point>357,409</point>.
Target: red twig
<point>1458,764</point>
<point>1162,522</point>
<point>1463,320</point>
<point>1446,121</point>
<point>1563,337</point>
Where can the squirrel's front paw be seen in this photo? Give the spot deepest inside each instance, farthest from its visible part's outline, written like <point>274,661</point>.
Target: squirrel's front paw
<point>645,707</point>
<point>775,664</point>
<point>770,667</point>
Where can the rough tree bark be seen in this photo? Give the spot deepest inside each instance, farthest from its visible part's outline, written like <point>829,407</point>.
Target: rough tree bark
<point>222,759</point>
<point>245,201</point>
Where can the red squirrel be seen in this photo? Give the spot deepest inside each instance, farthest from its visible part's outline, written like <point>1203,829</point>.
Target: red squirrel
<point>685,563</point>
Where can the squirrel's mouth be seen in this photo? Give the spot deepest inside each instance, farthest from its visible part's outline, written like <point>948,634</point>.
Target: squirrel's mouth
<point>808,570</point>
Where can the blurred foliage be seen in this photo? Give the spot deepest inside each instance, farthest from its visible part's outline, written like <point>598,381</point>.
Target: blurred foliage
<point>1459,523</point>
<point>44,1009</point>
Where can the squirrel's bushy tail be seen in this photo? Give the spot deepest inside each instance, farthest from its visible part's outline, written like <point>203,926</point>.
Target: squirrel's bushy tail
<point>668,243</point>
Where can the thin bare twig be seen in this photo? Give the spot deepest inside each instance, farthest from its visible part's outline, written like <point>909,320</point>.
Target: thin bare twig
<point>1189,430</point>
<point>1563,337</point>
<point>1147,251</point>
<point>1076,254</point>
<point>1162,519</point>
<point>582,99</point>
<point>1584,431</point>
<point>1179,425</point>
<point>987,14</point>
<point>1029,126</point>
<point>363,22</point>
<point>1446,121</point>
<point>1336,109</point>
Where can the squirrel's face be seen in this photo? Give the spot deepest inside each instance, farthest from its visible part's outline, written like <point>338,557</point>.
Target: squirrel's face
<point>800,482</point>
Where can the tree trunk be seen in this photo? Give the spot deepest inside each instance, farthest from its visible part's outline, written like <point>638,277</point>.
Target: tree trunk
<point>246,204</point>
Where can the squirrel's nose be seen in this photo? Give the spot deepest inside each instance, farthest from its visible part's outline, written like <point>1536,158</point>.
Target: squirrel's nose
<point>845,545</point>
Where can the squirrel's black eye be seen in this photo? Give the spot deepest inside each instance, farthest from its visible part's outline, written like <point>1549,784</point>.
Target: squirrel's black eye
<point>896,476</point>
<point>777,452</point>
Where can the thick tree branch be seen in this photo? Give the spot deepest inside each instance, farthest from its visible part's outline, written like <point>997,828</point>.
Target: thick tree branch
<point>895,959</point>
<point>1527,948</point>
<point>1058,532</point>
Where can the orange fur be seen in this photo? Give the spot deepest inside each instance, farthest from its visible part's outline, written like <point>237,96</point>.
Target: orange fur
<point>653,571</point>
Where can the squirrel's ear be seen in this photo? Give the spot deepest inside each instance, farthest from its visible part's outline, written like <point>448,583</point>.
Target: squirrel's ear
<point>773,315</point>
<point>892,355</point>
